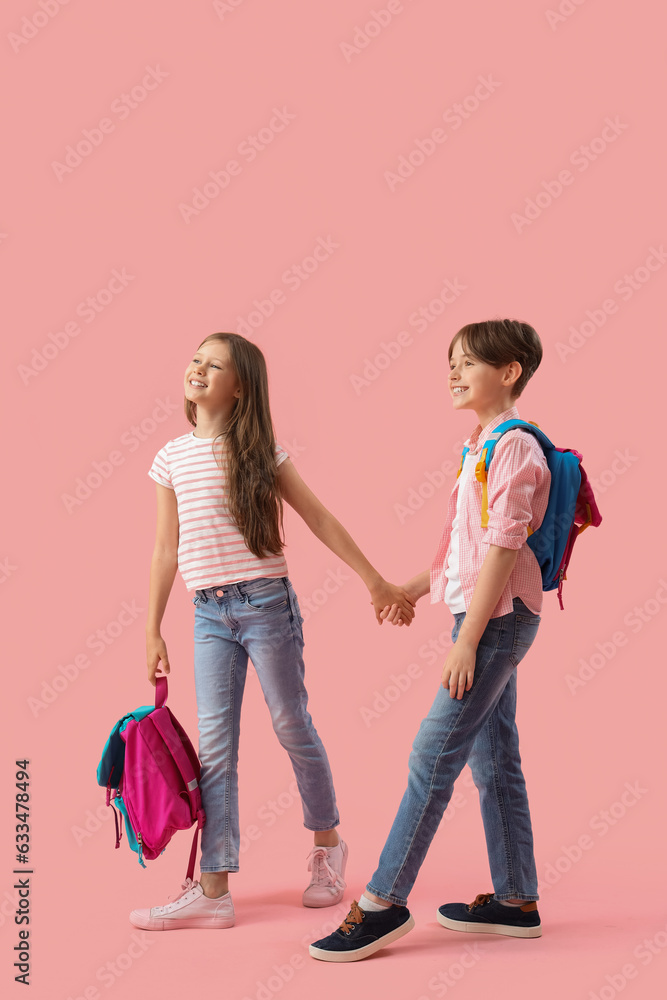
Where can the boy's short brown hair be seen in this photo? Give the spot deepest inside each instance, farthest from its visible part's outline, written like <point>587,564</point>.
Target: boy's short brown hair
<point>497,342</point>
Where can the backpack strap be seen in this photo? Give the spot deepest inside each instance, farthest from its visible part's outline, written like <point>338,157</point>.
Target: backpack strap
<point>184,764</point>
<point>160,691</point>
<point>482,467</point>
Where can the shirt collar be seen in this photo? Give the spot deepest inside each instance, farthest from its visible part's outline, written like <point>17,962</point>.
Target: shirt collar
<point>480,434</point>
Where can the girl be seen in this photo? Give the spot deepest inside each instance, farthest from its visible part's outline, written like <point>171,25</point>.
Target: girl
<point>220,493</point>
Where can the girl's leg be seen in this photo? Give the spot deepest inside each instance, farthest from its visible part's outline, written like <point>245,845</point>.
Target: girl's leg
<point>220,673</point>
<point>272,635</point>
<point>495,763</point>
<point>442,747</point>
<point>270,629</point>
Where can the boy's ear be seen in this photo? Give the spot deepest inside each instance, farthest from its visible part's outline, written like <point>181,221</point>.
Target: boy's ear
<point>513,373</point>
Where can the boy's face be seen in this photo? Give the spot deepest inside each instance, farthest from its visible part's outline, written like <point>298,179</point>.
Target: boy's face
<point>474,385</point>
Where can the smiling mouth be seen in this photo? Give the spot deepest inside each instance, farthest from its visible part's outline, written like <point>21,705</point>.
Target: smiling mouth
<point>196,384</point>
<point>459,390</point>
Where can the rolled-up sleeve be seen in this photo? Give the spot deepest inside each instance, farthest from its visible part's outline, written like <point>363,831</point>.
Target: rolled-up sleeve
<point>517,469</point>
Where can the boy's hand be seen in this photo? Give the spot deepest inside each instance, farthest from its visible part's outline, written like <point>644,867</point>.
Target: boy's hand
<point>157,658</point>
<point>386,595</point>
<point>393,612</point>
<point>459,669</point>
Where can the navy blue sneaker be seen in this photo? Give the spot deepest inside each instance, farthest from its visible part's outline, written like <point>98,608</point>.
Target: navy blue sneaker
<point>363,933</point>
<point>486,915</point>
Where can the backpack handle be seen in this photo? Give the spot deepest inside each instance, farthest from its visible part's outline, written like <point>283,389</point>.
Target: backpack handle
<point>160,692</point>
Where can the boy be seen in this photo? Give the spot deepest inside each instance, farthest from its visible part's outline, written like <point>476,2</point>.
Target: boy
<point>491,581</point>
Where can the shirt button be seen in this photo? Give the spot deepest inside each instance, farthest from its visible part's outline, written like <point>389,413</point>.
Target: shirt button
<point>219,593</point>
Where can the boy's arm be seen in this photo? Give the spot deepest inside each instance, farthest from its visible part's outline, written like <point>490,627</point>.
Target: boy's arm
<point>515,473</point>
<point>494,574</point>
<point>459,669</point>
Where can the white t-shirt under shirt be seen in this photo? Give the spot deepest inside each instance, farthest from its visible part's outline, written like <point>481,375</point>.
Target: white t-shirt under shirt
<point>211,549</point>
<point>453,592</point>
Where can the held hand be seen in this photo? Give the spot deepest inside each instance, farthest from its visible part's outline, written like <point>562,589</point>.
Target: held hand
<point>459,669</point>
<point>393,613</point>
<point>386,595</point>
<point>157,658</point>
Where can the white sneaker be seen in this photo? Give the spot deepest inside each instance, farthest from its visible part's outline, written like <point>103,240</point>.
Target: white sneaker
<point>191,908</point>
<point>327,884</point>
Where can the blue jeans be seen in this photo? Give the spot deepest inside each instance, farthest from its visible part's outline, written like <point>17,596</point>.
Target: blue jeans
<point>258,619</point>
<point>479,730</point>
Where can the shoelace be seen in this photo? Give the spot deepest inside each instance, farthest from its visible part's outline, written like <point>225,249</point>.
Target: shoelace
<point>480,900</point>
<point>323,873</point>
<point>185,887</point>
<point>355,916</point>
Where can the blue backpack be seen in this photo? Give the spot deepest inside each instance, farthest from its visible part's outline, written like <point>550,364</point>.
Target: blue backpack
<point>571,507</point>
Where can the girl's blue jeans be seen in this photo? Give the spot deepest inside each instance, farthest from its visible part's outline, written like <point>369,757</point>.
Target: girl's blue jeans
<point>479,729</point>
<point>258,619</point>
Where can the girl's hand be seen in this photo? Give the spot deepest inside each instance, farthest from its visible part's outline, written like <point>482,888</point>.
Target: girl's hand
<point>387,595</point>
<point>393,613</point>
<point>459,669</point>
<point>157,657</point>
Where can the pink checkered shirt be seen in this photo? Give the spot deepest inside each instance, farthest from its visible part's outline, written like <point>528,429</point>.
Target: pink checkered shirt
<point>517,491</point>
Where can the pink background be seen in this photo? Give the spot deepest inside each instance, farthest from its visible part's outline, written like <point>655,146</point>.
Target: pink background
<point>68,574</point>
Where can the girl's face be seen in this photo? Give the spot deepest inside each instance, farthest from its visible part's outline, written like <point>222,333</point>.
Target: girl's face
<point>474,385</point>
<point>210,378</point>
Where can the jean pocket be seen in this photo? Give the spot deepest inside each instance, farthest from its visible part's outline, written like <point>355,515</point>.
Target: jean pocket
<point>296,609</point>
<point>525,631</point>
<point>270,596</point>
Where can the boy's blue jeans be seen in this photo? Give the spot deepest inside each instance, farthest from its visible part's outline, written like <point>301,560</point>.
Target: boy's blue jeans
<point>479,730</point>
<point>258,619</point>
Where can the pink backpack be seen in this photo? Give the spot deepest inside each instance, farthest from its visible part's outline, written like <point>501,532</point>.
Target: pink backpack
<point>160,780</point>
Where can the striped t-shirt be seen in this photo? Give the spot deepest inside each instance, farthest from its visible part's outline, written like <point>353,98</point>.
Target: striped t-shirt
<point>211,549</point>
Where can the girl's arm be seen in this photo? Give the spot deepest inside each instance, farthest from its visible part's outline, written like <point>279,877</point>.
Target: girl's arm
<point>163,570</point>
<point>330,531</point>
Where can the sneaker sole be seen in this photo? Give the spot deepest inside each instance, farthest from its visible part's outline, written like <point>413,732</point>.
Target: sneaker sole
<point>176,924</point>
<point>331,901</point>
<point>475,928</point>
<point>369,949</point>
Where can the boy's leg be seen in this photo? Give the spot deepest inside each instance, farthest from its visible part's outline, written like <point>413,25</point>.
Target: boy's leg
<point>440,750</point>
<point>495,763</point>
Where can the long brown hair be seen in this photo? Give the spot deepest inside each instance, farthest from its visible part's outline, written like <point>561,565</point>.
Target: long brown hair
<point>251,473</point>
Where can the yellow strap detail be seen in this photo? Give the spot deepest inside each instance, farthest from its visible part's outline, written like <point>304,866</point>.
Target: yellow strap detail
<point>480,475</point>
<point>533,423</point>
<point>530,530</point>
<point>586,524</point>
<point>460,467</point>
